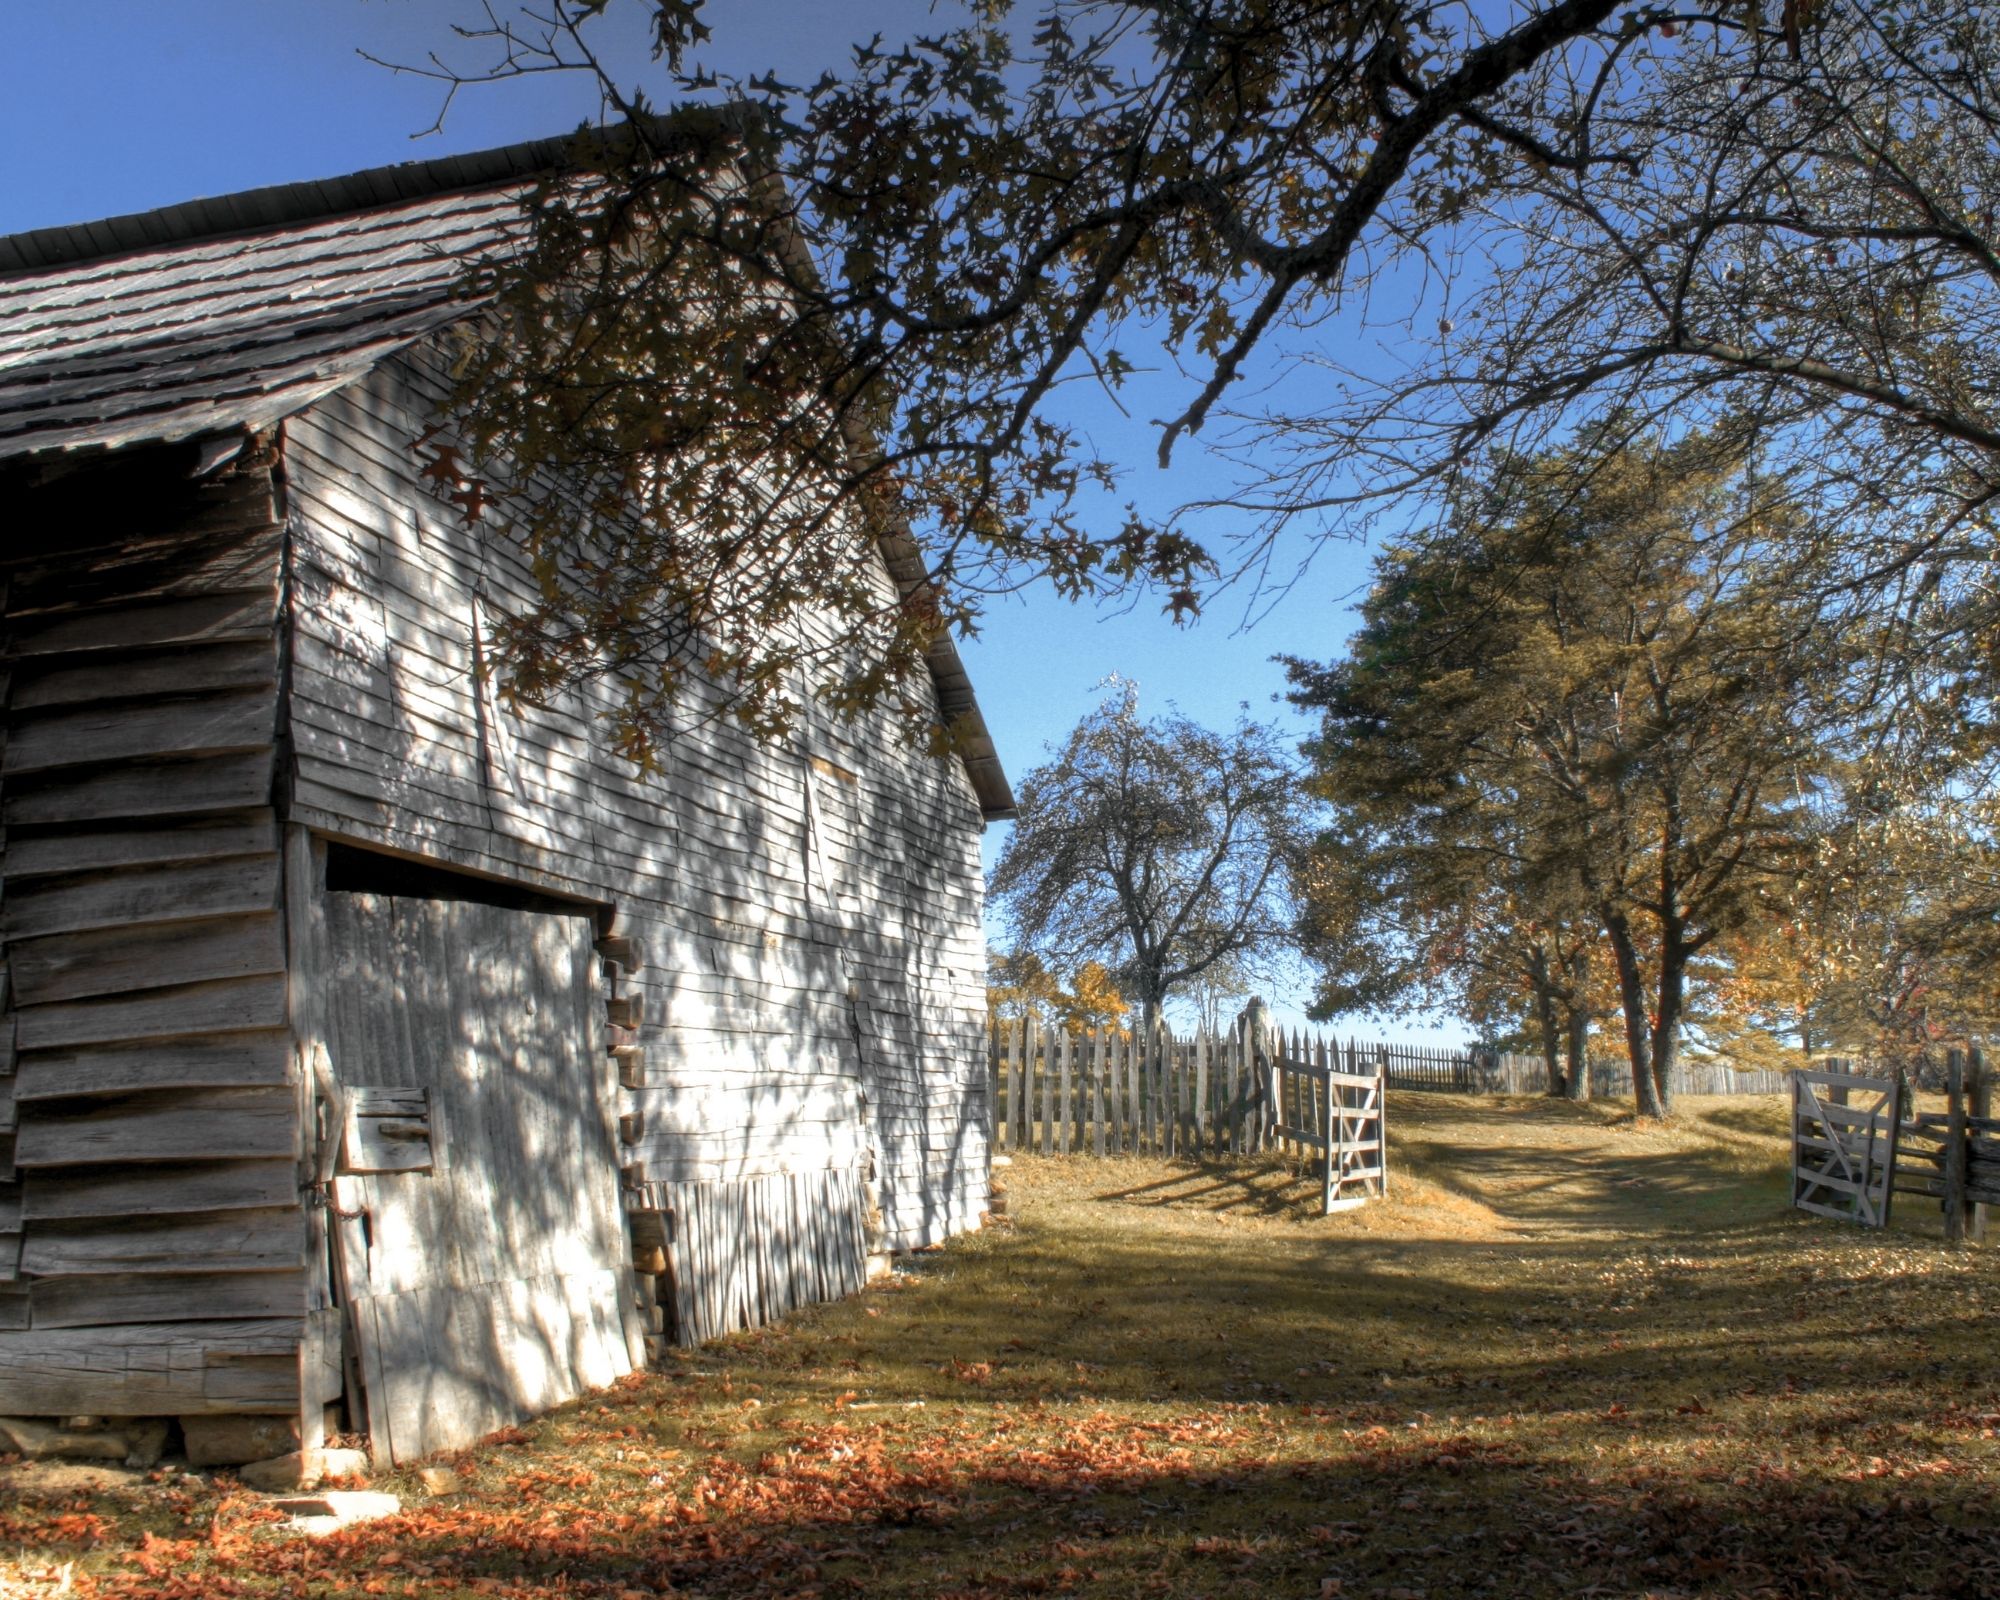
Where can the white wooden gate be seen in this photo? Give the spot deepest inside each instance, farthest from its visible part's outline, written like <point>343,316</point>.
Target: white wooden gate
<point>1335,1110</point>
<point>1844,1128</point>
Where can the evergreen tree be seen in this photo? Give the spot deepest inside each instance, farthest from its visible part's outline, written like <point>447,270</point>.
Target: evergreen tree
<point>1604,685</point>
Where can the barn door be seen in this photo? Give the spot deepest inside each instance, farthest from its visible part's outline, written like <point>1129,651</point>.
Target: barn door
<point>479,1238</point>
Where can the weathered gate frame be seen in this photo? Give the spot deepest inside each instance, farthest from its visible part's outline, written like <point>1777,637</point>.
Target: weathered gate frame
<point>1347,1107</point>
<point>1843,1150</point>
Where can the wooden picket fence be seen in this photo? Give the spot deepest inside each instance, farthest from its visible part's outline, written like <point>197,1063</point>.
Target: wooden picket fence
<point>1476,1071</point>
<point>1105,1093</point>
<point>1111,1092</point>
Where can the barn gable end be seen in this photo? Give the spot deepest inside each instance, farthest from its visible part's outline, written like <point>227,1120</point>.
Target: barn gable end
<point>368,1035</point>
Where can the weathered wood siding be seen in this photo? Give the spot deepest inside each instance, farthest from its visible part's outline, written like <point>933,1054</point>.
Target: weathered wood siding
<point>489,1281</point>
<point>810,1003</point>
<point>151,1241</point>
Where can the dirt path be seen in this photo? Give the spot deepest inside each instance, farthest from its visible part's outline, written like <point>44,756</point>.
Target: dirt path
<point>1551,1169</point>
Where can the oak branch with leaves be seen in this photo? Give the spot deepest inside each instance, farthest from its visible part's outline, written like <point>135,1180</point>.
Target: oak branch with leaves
<point>788,314</point>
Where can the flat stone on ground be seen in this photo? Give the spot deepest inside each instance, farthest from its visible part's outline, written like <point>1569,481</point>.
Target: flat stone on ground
<point>37,1441</point>
<point>333,1509</point>
<point>302,1469</point>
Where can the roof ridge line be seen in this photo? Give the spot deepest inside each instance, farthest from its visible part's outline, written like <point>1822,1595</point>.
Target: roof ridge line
<point>279,205</point>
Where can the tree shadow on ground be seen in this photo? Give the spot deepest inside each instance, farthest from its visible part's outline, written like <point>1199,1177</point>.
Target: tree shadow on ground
<point>850,1511</point>
<point>1531,1184</point>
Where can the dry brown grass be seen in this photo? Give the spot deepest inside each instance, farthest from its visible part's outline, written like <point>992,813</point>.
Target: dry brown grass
<point>1570,1355</point>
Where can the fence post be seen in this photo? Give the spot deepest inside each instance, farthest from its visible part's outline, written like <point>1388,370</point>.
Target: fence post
<point>1331,1151</point>
<point>1097,1091</point>
<point>1271,1086</point>
<point>1135,1083</point>
<point>1980,1093</point>
<point>1003,1034</point>
<point>1382,1122</point>
<point>1288,1092</point>
<point>1201,1118</point>
<point>1954,1149</point>
<point>1114,1137</point>
<point>1031,1042</point>
<point>1017,1032</point>
<point>1190,1074</point>
<point>1143,1061</point>
<point>1043,1064</point>
<point>1135,1121</point>
<point>1232,1063</point>
<point>1798,1188</point>
<point>1280,1112</point>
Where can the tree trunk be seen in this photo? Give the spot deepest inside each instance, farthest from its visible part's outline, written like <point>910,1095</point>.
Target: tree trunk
<point>1151,995</point>
<point>1667,1026</point>
<point>1638,1024</point>
<point>1578,1085</point>
<point>1545,1017</point>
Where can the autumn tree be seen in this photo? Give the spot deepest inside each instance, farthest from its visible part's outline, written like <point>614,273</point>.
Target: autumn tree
<point>1160,848</point>
<point>1422,912</point>
<point>1018,985</point>
<point>1095,1000</point>
<point>754,331</point>
<point>1607,647</point>
<point>792,313</point>
<point>1893,954</point>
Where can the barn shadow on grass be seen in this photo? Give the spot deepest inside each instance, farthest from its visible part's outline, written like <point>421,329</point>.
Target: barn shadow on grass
<point>1096,1496</point>
<point>1119,1394</point>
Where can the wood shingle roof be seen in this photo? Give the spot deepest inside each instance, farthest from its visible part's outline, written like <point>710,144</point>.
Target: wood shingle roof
<point>203,335</point>
<point>232,313</point>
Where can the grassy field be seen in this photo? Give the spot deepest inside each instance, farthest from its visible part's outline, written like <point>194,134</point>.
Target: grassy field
<point>1569,1356</point>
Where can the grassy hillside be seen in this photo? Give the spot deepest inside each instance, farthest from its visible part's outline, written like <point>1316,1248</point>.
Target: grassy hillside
<point>1568,1356</point>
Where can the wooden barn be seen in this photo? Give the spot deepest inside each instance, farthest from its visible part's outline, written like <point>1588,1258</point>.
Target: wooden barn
<point>366,1044</point>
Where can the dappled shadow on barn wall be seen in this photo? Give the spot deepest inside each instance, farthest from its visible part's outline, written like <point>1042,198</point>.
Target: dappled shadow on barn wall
<point>804,1010</point>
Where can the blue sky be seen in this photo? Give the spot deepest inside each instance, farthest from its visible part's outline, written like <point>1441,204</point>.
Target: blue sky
<point>122,105</point>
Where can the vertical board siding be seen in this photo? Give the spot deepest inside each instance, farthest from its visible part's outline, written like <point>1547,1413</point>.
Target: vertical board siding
<point>748,1251</point>
<point>811,1001</point>
<point>151,1242</point>
<point>490,1283</point>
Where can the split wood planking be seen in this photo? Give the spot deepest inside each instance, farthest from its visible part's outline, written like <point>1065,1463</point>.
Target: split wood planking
<point>157,1132</point>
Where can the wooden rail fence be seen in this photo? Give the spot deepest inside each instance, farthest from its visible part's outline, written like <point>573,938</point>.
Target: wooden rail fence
<point>1954,1155</point>
<point>1857,1143</point>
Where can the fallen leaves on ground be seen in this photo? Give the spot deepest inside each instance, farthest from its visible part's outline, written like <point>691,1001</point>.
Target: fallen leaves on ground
<point>1177,1380</point>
